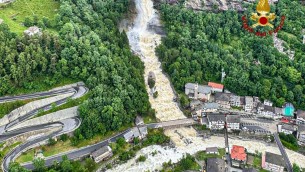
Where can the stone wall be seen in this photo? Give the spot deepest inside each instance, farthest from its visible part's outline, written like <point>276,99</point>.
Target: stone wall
<point>49,118</point>
<point>23,137</point>
<point>23,110</point>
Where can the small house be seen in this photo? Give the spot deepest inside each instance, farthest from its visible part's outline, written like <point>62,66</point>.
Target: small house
<point>216,87</point>
<point>249,104</point>
<point>287,128</point>
<point>210,107</point>
<point>300,117</point>
<point>235,101</point>
<point>215,165</point>
<point>273,162</point>
<point>143,131</point>
<point>212,150</point>
<point>238,155</point>
<point>128,136</point>
<point>195,91</point>
<point>216,121</point>
<point>102,154</point>
<point>233,122</point>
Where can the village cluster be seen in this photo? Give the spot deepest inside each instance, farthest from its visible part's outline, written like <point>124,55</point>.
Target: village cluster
<point>217,108</point>
<point>240,158</point>
<point>212,105</point>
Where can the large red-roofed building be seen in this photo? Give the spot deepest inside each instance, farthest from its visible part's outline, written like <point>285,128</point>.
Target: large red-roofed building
<point>216,87</point>
<point>238,155</point>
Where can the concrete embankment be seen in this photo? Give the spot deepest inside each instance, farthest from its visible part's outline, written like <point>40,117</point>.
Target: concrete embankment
<point>23,110</point>
<point>49,118</point>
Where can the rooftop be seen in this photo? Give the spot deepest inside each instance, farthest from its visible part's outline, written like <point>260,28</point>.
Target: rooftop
<point>288,127</point>
<point>301,114</point>
<point>201,88</point>
<point>238,153</point>
<point>216,117</point>
<point>210,106</point>
<point>215,165</point>
<point>204,89</point>
<point>222,97</point>
<point>211,149</point>
<point>101,151</point>
<point>248,99</point>
<point>215,85</point>
<point>233,119</point>
<point>235,98</point>
<point>274,159</point>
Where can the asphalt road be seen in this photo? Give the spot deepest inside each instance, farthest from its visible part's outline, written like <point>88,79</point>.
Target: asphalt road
<point>15,152</point>
<point>35,95</point>
<point>78,153</point>
<point>72,123</point>
<point>74,154</point>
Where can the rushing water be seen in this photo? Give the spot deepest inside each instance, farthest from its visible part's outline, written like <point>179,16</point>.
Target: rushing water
<point>143,42</point>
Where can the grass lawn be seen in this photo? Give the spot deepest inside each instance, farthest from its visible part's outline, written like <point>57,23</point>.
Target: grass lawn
<point>26,156</point>
<point>257,162</point>
<point>149,119</point>
<point>202,155</point>
<point>14,14</point>
<point>7,149</point>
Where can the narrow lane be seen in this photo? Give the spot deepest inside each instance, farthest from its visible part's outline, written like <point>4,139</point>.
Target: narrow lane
<point>283,152</point>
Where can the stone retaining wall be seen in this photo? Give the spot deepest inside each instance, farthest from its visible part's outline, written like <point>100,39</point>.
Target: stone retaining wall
<point>49,118</point>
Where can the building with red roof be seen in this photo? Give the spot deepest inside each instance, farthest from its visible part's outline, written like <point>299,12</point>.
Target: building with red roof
<point>238,155</point>
<point>216,87</point>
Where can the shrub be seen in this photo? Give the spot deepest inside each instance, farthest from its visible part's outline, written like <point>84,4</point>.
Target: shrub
<point>142,158</point>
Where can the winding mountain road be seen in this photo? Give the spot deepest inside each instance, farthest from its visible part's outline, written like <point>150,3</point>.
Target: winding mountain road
<point>61,127</point>
<point>66,126</point>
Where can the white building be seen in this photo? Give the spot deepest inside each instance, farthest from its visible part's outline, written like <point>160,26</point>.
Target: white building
<point>195,91</point>
<point>211,150</point>
<point>216,121</point>
<point>287,128</point>
<point>268,103</point>
<point>34,30</point>
<point>248,107</point>
<point>269,111</point>
<point>216,87</point>
<point>301,136</point>
<point>235,101</point>
<point>300,117</point>
<point>233,122</point>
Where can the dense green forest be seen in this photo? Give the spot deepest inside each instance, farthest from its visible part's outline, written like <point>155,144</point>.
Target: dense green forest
<point>199,44</point>
<point>88,47</point>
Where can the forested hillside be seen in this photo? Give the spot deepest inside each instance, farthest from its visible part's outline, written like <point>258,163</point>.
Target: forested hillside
<point>199,44</point>
<point>88,47</point>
